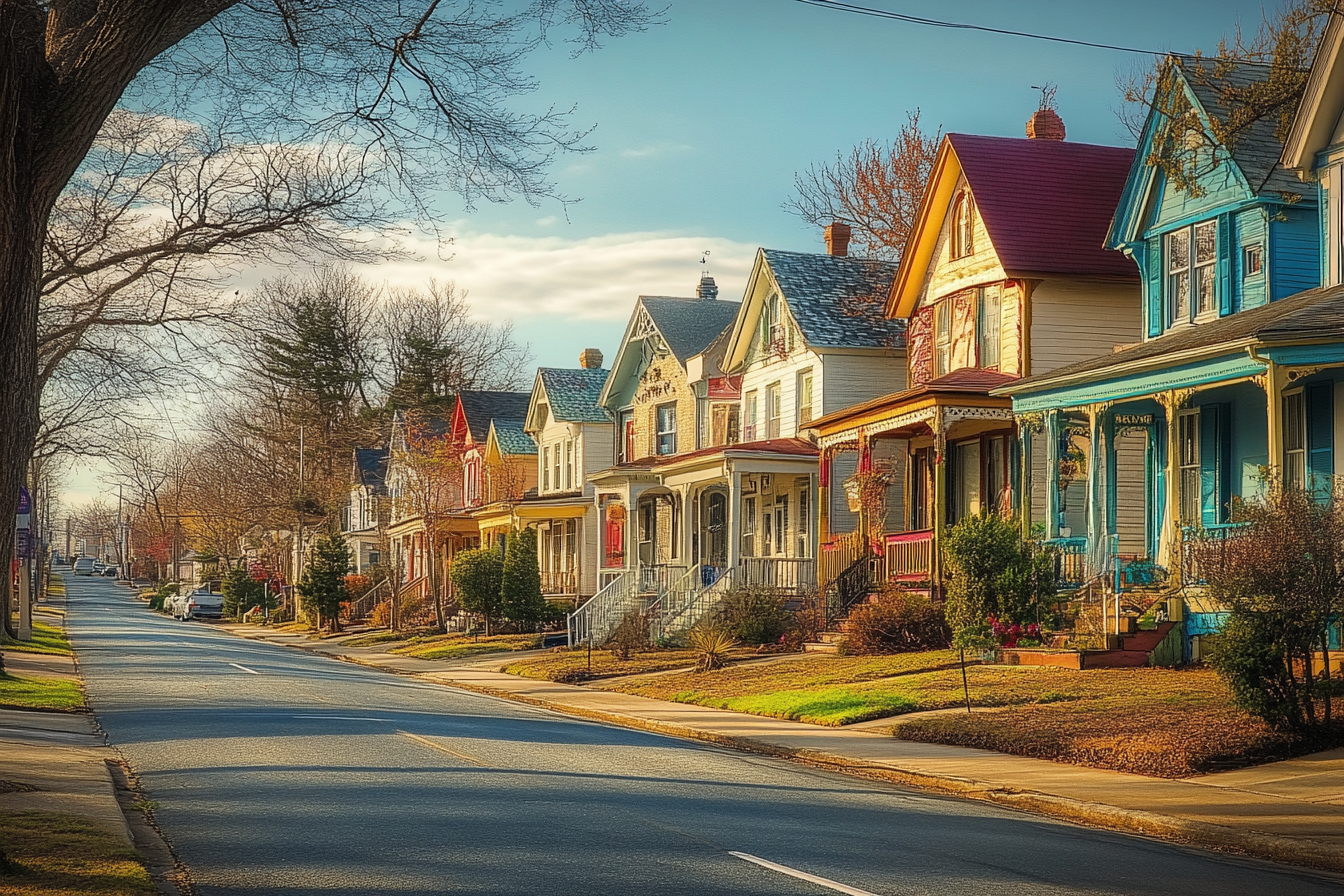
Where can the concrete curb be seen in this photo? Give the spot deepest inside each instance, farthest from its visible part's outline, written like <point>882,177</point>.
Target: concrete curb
<point>1205,835</point>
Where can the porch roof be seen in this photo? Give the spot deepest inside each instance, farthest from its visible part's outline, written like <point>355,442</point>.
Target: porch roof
<point>968,387</point>
<point>1189,356</point>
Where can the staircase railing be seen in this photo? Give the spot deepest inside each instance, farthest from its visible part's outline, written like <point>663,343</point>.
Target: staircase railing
<point>599,616</point>
<point>849,588</point>
<point>703,602</point>
<point>673,602</point>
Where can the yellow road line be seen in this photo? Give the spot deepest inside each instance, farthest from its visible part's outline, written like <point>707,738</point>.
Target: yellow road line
<point>426,742</point>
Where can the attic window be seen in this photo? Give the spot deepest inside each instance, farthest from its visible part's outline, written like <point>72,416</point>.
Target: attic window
<point>963,225</point>
<point>1253,261</point>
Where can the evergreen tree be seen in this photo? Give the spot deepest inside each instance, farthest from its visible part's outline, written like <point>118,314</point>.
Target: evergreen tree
<point>520,599</point>
<point>241,592</point>
<point>323,581</point>
<point>478,577</point>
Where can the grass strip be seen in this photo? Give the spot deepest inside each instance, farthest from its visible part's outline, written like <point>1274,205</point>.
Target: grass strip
<point>457,646</point>
<point>55,694</point>
<point>47,853</point>
<point>571,666</point>
<point>47,639</point>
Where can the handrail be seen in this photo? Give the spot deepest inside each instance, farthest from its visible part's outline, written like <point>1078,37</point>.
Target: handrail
<point>598,617</point>
<point>673,601</point>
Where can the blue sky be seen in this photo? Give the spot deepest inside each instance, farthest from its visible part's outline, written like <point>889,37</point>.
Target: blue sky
<point>700,124</point>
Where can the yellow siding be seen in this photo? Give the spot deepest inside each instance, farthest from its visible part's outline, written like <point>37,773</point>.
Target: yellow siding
<point>947,275</point>
<point>1072,321</point>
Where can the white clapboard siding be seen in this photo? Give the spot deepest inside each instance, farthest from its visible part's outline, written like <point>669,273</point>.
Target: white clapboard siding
<point>1040,479</point>
<point>1073,321</point>
<point>842,467</point>
<point>854,379</point>
<point>764,371</point>
<point>1131,492</point>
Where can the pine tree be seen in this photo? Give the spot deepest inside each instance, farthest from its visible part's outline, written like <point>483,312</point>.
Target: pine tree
<point>520,599</point>
<point>323,582</point>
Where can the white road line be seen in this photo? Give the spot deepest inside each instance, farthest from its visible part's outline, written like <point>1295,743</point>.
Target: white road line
<point>244,668</point>
<point>343,718</point>
<point>802,875</point>
<point>426,742</point>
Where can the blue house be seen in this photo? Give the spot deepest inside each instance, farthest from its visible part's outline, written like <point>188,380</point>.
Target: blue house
<point>1235,377</point>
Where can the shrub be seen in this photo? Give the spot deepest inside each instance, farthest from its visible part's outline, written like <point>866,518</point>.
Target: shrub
<point>241,592</point>
<point>323,582</point>
<point>754,614</point>
<point>520,599</point>
<point>630,636</point>
<point>993,571</point>
<point>894,621</point>
<point>711,644</point>
<point>1282,577</point>
<point>478,575</point>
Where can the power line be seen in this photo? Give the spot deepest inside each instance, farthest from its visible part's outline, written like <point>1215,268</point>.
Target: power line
<point>837,6</point>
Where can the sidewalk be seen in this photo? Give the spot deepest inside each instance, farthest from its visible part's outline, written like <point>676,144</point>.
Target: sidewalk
<point>1290,811</point>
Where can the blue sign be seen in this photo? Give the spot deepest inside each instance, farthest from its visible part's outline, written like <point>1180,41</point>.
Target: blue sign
<point>25,500</point>
<point>24,547</point>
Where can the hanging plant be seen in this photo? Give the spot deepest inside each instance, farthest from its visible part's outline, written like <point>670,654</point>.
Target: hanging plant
<point>866,492</point>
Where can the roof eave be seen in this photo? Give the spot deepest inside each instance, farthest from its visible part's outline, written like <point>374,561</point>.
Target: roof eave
<point>1314,121</point>
<point>1047,382</point>
<point>918,254</point>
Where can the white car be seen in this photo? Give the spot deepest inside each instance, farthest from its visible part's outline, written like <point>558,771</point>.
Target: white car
<point>200,604</point>
<point>84,566</point>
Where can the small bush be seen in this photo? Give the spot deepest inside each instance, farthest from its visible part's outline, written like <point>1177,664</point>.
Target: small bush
<point>711,644</point>
<point>754,615</point>
<point>631,636</point>
<point>895,621</point>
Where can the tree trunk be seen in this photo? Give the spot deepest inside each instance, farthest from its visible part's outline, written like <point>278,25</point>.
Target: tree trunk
<point>434,576</point>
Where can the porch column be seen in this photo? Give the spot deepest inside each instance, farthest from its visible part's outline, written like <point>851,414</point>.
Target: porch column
<point>734,519</point>
<point>939,496</point>
<point>1167,547</point>
<point>1025,478</point>
<point>824,497</point>
<point>1272,382</point>
<point>1052,474</point>
<point>1096,527</point>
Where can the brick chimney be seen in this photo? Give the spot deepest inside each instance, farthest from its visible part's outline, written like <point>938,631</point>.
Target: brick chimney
<point>1045,124</point>
<point>707,289</point>
<point>837,238</point>
<point>590,359</point>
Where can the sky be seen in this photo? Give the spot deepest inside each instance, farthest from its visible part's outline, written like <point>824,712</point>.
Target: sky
<point>700,123</point>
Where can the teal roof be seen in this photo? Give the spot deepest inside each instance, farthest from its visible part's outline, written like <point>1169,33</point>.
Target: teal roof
<point>511,439</point>
<point>573,393</point>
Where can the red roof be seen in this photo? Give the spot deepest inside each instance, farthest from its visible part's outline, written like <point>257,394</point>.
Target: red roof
<point>1047,204</point>
<point>794,447</point>
<point>966,379</point>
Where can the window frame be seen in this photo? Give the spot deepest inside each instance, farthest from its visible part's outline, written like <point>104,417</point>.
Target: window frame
<point>942,337</point>
<point>1295,475</point>
<point>983,338</point>
<point>1251,251</point>
<point>1189,466</point>
<point>963,225</point>
<point>1190,275</point>
<point>774,410</point>
<point>666,438</point>
<point>752,409</point>
<point>546,468</point>
<point>569,464</point>
<point>806,381</point>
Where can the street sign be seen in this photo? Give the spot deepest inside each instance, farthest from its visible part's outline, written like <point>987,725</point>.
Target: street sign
<point>25,508</point>
<point>24,545</point>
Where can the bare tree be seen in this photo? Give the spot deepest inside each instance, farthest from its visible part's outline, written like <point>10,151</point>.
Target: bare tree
<point>876,188</point>
<point>423,87</point>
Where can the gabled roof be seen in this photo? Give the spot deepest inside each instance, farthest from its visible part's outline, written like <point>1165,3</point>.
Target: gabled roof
<point>688,326</point>
<point>478,408</point>
<point>1046,204</point>
<point>510,439</point>
<point>837,301</point>
<point>572,393</point>
<point>1315,314</point>
<point>1322,100</point>
<point>371,469</point>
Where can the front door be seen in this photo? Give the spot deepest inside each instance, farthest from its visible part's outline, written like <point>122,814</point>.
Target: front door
<point>714,525</point>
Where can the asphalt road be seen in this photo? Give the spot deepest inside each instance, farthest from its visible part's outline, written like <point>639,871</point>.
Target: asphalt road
<point>278,772</point>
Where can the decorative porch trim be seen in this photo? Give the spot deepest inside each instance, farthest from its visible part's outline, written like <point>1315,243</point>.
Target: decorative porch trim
<point>1139,385</point>
<point>855,435</point>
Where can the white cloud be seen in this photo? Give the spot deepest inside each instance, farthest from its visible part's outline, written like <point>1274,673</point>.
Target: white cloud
<point>654,150</point>
<point>547,221</point>
<point>528,278</point>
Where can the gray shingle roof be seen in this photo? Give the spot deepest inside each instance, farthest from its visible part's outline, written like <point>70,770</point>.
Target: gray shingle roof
<point>1313,314</point>
<point>838,301</point>
<point>511,438</point>
<point>1256,150</point>
<point>688,326</point>
<point>371,465</point>
<point>573,393</point>
<point>480,407</point>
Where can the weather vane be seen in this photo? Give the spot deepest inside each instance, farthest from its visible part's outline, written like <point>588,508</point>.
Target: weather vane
<point>1047,94</point>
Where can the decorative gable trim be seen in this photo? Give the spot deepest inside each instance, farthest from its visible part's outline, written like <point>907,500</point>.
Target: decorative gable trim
<point>923,240</point>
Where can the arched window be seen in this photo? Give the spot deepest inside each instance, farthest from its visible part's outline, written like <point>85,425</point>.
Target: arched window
<point>963,225</point>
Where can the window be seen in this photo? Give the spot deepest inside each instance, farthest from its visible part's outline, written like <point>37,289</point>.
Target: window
<point>749,527</point>
<point>569,465</point>
<point>991,326</point>
<point>546,468</point>
<point>555,468</point>
<point>773,337</point>
<point>996,475</point>
<point>1252,260</point>
<point>1192,273</point>
<point>773,405</point>
<point>804,398</point>
<point>752,411</point>
<point>723,426</point>
<point>942,338</point>
<point>963,225</point>
<point>1188,444</point>
<point>966,487</point>
<point>1294,440</point>
<point>667,429</point>
<point>626,437</point>
<point>804,523</point>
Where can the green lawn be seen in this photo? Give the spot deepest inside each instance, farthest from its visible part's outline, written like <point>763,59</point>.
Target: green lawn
<point>46,639</point>
<point>40,693</point>
<point>458,645</point>
<point>50,854</point>
<point>573,665</point>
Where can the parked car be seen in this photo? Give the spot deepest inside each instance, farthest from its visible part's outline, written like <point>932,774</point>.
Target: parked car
<point>110,571</point>
<point>84,566</point>
<point>202,604</point>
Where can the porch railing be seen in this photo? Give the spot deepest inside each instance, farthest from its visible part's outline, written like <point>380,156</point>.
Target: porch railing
<point>606,576</point>
<point>850,588</point>
<point>562,582</point>
<point>796,574</point>
<point>699,604</point>
<point>1219,535</point>
<point>658,577</point>
<point>909,556</point>
<point>599,616</point>
<point>1070,561</point>
<point>838,554</point>
<point>667,612</point>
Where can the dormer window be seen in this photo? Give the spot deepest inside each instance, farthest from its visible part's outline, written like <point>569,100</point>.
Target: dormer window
<point>1192,273</point>
<point>773,336</point>
<point>963,225</point>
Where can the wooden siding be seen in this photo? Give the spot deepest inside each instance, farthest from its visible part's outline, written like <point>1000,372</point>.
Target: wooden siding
<point>1010,350</point>
<point>890,454</point>
<point>766,367</point>
<point>1293,256</point>
<point>947,275</point>
<point>1040,481</point>
<point>1131,492</point>
<point>1221,187</point>
<point>853,379</point>
<point>1073,321</point>
<point>840,518</point>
